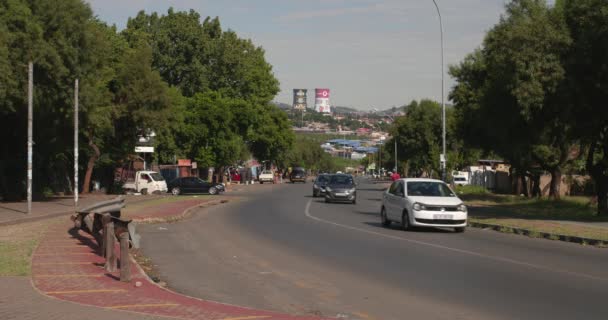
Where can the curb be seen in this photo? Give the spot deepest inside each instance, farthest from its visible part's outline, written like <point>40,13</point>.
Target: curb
<point>178,217</point>
<point>542,235</point>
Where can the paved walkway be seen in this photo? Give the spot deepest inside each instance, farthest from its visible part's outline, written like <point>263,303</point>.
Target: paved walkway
<point>67,266</point>
<point>19,300</point>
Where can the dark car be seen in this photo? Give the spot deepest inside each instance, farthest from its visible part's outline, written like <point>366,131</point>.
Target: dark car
<point>341,188</point>
<point>318,188</point>
<point>193,185</point>
<point>297,175</point>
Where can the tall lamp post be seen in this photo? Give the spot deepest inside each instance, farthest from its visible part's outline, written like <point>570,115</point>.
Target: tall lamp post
<point>442,159</point>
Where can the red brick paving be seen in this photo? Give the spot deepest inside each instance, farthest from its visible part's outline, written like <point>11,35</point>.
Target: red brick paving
<point>67,266</point>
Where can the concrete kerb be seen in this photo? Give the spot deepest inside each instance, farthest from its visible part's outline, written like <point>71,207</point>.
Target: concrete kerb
<point>537,234</point>
<point>185,214</point>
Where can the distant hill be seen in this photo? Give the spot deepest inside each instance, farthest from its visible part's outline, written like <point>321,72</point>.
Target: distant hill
<point>340,109</point>
<point>282,105</point>
<point>337,109</point>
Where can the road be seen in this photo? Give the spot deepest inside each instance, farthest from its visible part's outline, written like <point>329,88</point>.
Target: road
<point>277,248</point>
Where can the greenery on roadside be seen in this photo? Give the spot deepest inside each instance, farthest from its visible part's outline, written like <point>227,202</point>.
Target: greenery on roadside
<point>16,257</point>
<point>307,153</point>
<point>203,91</point>
<point>17,244</point>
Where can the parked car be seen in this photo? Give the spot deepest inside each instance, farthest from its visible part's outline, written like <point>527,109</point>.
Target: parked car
<point>341,188</point>
<point>318,187</point>
<point>266,176</point>
<point>184,185</point>
<point>423,203</point>
<point>297,175</point>
<point>146,182</point>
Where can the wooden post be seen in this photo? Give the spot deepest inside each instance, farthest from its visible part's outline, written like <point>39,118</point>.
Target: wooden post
<point>109,236</point>
<point>125,265</point>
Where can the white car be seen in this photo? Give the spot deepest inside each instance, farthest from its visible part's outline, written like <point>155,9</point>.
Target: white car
<point>266,176</point>
<point>423,203</point>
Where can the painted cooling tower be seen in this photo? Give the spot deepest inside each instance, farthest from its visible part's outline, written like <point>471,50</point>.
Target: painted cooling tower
<point>299,99</point>
<point>322,101</point>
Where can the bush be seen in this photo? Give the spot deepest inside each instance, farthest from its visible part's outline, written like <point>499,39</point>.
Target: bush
<point>471,190</point>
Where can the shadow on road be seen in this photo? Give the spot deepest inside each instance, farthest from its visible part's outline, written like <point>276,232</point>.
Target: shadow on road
<point>394,226</point>
<point>371,189</point>
<point>367,213</point>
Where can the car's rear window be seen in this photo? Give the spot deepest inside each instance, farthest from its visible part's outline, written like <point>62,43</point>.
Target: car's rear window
<point>428,189</point>
<point>339,179</point>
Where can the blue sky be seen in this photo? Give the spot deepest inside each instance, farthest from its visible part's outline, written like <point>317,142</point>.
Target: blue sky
<point>371,54</point>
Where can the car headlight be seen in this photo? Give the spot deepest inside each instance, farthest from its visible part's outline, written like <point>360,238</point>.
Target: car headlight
<point>352,190</point>
<point>315,186</point>
<point>462,208</point>
<point>328,189</point>
<point>419,206</point>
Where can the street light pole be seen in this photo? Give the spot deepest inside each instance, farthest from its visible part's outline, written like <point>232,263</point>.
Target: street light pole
<point>443,158</point>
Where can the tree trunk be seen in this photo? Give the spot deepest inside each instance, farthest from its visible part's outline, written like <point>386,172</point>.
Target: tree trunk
<point>602,196</point>
<point>536,192</point>
<point>597,172</point>
<point>524,186</point>
<point>556,183</point>
<point>90,165</point>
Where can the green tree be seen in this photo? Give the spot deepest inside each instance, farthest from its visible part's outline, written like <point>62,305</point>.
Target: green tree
<point>587,69</point>
<point>508,94</point>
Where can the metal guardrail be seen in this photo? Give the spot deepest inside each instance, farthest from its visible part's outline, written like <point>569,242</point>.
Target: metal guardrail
<point>102,221</point>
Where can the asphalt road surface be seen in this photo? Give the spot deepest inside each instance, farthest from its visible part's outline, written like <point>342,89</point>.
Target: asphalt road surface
<point>277,248</point>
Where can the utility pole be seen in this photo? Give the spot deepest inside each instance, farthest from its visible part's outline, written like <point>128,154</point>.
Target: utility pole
<point>395,153</point>
<point>76,144</point>
<point>443,160</point>
<point>30,140</point>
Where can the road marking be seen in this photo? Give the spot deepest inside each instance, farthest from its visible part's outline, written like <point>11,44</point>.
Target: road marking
<point>63,254</point>
<point>438,246</point>
<point>85,291</point>
<point>72,246</point>
<point>245,318</point>
<point>60,263</point>
<point>144,305</point>
<point>68,275</point>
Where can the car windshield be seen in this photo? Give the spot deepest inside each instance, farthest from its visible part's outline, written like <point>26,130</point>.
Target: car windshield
<point>323,179</point>
<point>266,172</point>
<point>460,179</point>
<point>339,179</point>
<point>157,177</point>
<point>428,189</point>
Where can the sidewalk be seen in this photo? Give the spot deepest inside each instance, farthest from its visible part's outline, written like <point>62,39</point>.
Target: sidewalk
<point>67,266</point>
<point>16,212</point>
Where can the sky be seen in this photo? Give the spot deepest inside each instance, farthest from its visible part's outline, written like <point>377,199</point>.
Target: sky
<point>370,54</point>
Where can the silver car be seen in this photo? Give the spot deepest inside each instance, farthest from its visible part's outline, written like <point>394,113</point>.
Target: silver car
<point>341,188</point>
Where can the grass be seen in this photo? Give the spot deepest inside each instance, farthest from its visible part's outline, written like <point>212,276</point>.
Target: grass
<point>17,244</point>
<point>16,257</point>
<point>558,217</point>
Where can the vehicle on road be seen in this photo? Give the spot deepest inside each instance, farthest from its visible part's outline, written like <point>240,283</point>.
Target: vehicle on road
<point>461,178</point>
<point>341,188</point>
<point>297,175</point>
<point>422,203</point>
<point>318,187</point>
<point>183,185</point>
<point>146,182</point>
<point>266,176</point>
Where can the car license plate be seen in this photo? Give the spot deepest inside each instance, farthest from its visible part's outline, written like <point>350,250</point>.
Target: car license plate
<point>339,194</point>
<point>442,216</point>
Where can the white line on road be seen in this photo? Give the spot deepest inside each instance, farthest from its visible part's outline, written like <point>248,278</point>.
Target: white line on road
<point>438,246</point>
